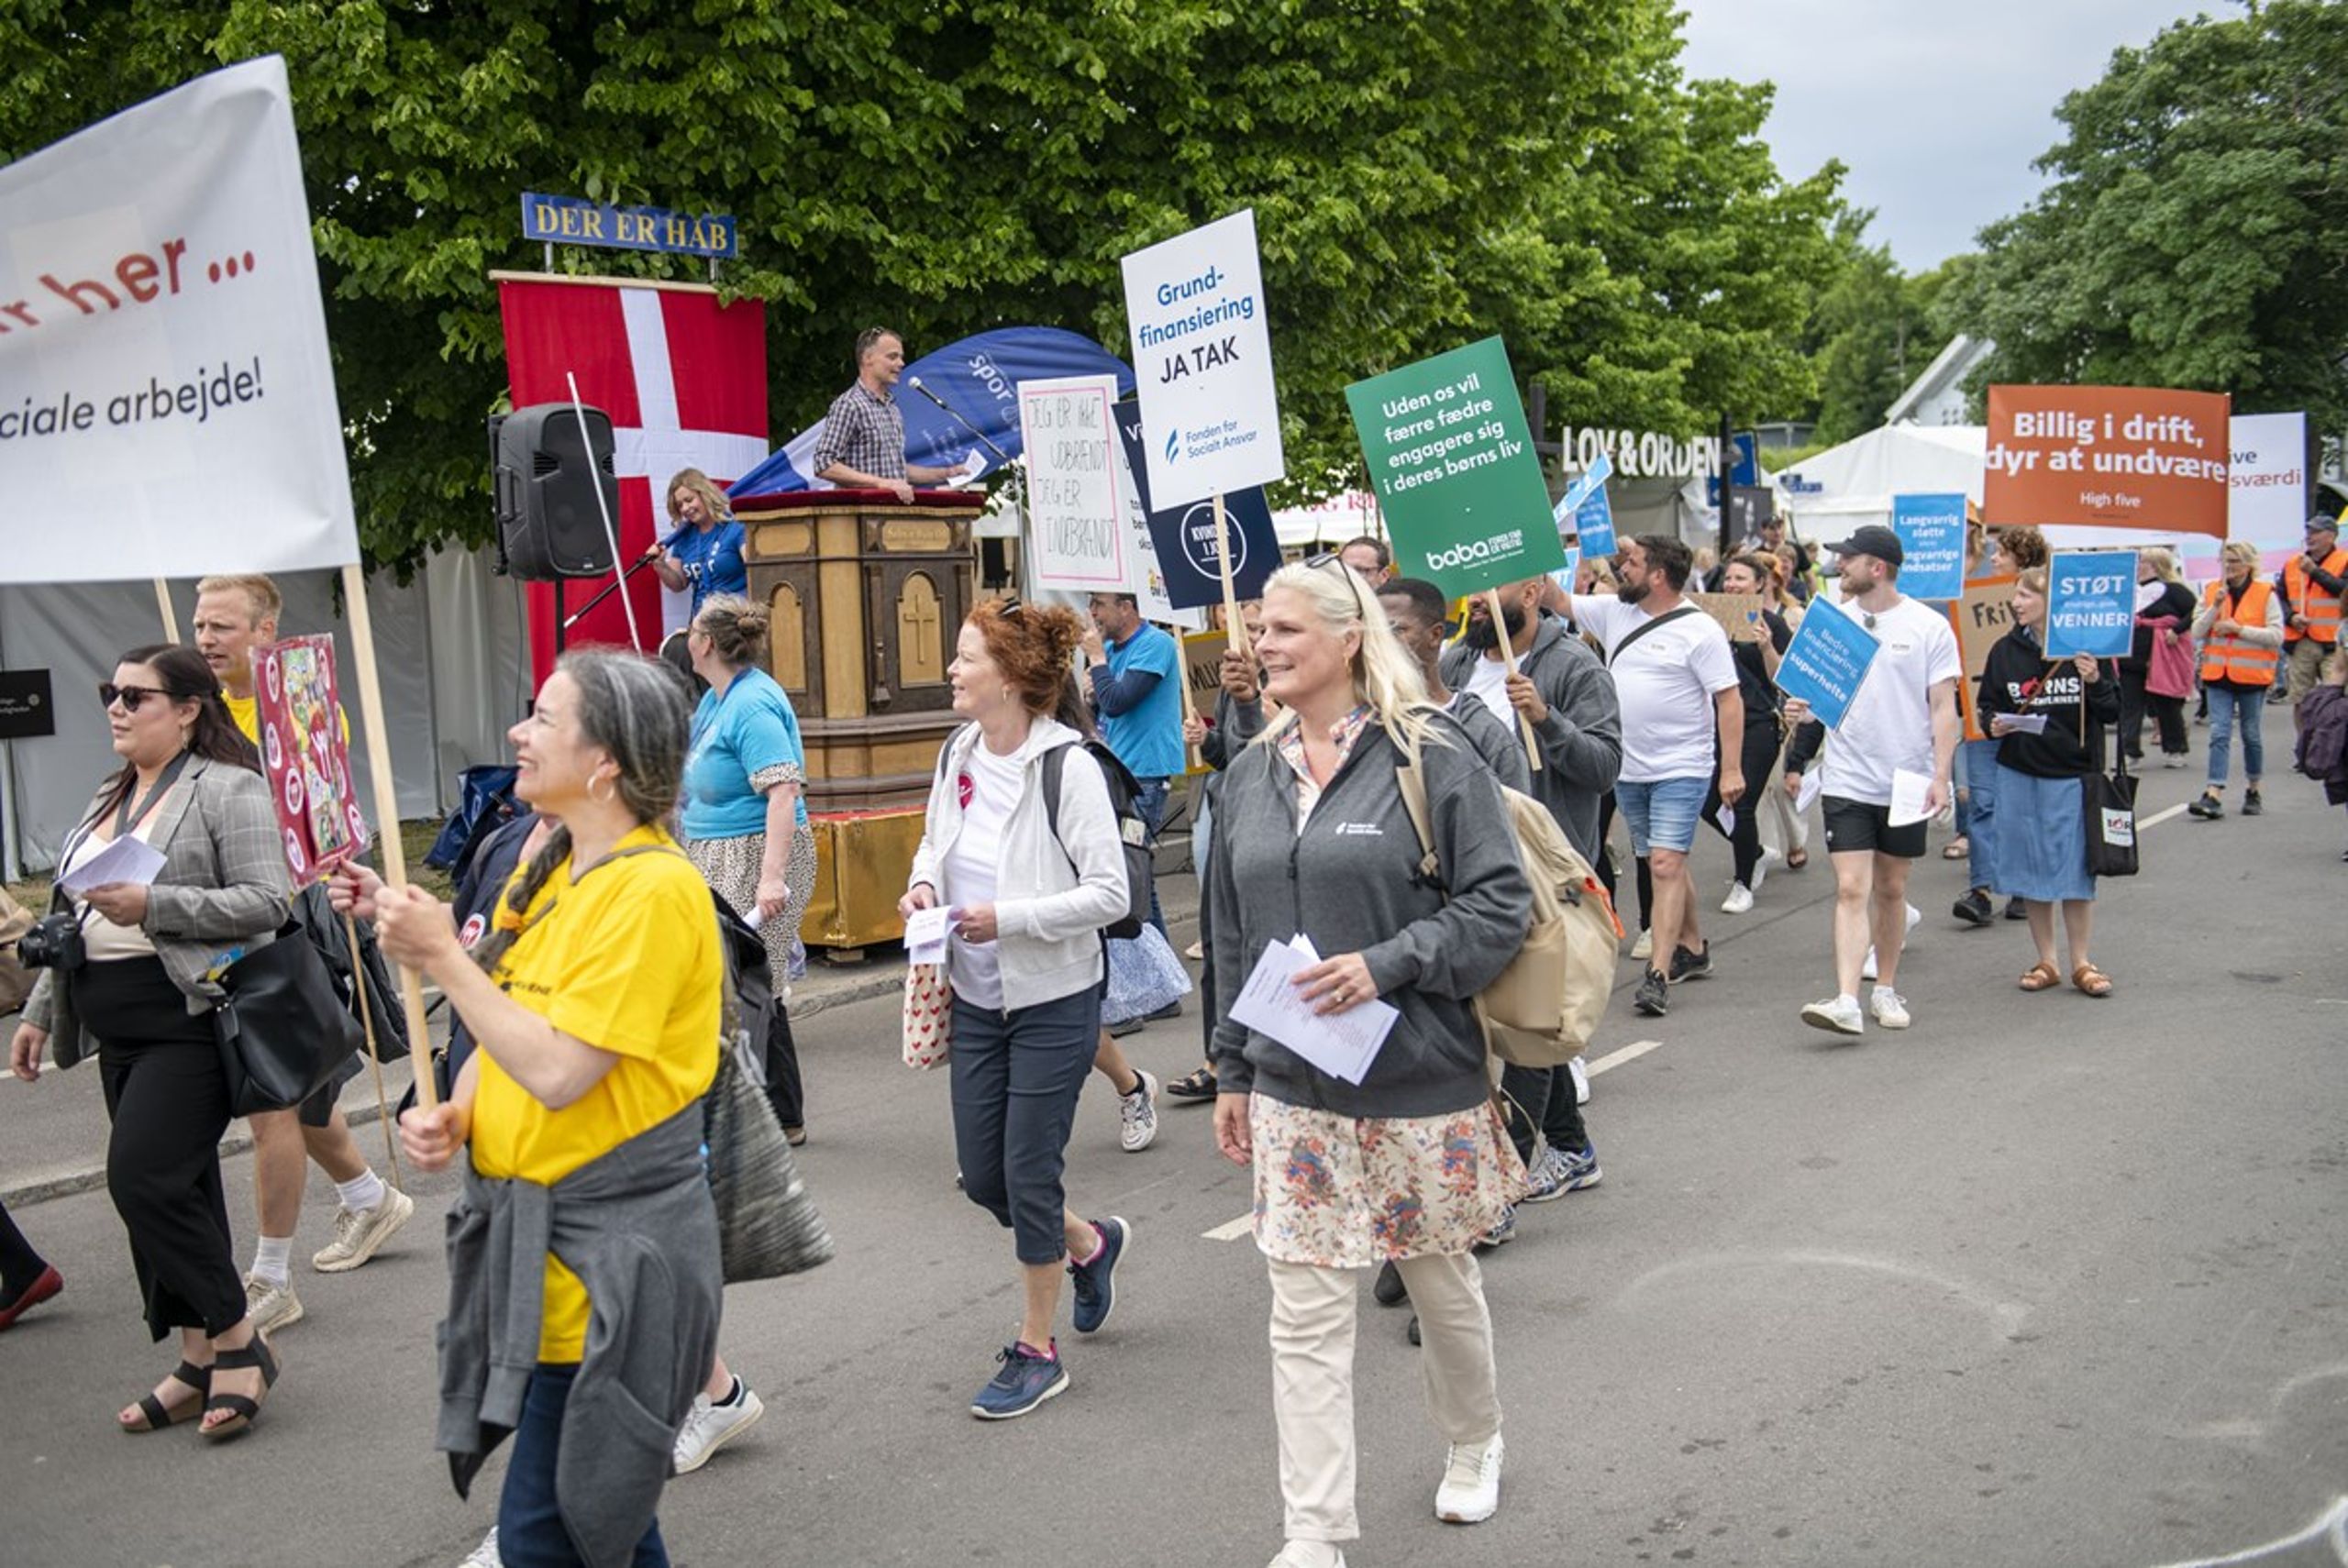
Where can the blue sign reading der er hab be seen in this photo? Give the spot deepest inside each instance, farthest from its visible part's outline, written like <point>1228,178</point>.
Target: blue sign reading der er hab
<point>567,220</point>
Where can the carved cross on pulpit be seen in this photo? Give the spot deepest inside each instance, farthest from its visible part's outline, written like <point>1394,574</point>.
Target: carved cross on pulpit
<point>921,642</point>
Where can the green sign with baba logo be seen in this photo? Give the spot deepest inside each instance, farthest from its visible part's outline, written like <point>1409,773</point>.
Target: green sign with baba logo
<point>1452,461</point>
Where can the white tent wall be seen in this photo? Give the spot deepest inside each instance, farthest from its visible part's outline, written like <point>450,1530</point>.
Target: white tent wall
<point>449,652</point>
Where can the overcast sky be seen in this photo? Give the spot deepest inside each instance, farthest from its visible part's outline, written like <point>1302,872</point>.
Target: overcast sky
<point>1937,107</point>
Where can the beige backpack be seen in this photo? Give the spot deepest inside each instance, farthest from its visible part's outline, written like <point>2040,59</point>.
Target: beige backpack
<point>1546,1006</point>
<point>15,980</point>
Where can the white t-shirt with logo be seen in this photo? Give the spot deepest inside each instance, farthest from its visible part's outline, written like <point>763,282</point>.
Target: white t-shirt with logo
<point>989,787</point>
<point>1890,724</point>
<point>1488,683</point>
<point>1665,682</point>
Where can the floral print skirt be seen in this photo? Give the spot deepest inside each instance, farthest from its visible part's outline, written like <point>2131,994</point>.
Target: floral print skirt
<point>1343,1192</point>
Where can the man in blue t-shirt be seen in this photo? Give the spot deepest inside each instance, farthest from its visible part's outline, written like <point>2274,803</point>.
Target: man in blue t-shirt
<point>1135,667</point>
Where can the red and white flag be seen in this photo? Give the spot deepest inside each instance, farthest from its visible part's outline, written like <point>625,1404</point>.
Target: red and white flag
<point>684,380</point>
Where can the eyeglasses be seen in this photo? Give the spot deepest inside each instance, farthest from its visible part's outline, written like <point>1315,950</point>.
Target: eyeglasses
<point>1330,558</point>
<point>130,697</point>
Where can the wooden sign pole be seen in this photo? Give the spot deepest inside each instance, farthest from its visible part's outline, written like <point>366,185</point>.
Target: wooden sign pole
<point>1189,704</point>
<point>1508,653</point>
<point>387,810</point>
<point>1233,627</point>
<point>171,617</point>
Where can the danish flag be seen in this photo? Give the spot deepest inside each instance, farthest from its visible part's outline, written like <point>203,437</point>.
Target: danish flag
<point>684,380</point>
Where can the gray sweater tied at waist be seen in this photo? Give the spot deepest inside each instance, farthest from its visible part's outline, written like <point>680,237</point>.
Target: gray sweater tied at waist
<point>637,1227</point>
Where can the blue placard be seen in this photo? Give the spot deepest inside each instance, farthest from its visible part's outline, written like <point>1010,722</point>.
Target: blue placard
<point>1584,511</point>
<point>1563,576</point>
<point>1825,662</point>
<point>567,220</point>
<point>1932,538</point>
<point>1184,537</point>
<point>2091,603</point>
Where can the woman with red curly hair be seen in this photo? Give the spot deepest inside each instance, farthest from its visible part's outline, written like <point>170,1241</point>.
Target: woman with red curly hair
<point>1028,898</point>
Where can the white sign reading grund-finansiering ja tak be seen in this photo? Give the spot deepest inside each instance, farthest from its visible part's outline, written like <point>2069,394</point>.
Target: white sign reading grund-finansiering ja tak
<point>1202,361</point>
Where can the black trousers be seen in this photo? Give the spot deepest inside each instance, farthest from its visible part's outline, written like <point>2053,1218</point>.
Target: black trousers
<point>160,1070</point>
<point>19,1264</point>
<point>1757,757</point>
<point>1542,1098</point>
<point>785,1091</point>
<point>2168,712</point>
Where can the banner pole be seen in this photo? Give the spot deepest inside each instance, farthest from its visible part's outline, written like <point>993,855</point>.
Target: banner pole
<point>171,617</point>
<point>374,1056</point>
<point>1231,624</point>
<point>1189,704</point>
<point>628,610</point>
<point>1507,652</point>
<point>387,806</point>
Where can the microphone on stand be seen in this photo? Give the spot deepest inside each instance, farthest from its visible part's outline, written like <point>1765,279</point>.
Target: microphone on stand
<point>952,414</point>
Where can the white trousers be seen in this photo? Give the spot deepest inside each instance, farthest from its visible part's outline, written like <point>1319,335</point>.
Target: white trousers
<point>1312,1377</point>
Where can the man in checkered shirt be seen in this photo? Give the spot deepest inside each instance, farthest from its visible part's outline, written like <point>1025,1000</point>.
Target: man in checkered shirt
<point>863,443</point>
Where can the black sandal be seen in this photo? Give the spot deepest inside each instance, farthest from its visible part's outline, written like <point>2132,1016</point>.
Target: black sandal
<point>158,1415</point>
<point>243,1411</point>
<point>1199,1085</point>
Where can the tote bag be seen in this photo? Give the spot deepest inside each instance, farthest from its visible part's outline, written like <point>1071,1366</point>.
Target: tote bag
<point>2169,672</point>
<point>2111,822</point>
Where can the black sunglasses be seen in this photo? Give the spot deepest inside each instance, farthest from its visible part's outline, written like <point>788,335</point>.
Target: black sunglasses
<point>130,697</point>
<point>1353,581</point>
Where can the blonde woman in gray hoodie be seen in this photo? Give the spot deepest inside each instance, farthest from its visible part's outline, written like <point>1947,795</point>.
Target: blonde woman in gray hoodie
<point>1029,898</point>
<point>1412,1163</point>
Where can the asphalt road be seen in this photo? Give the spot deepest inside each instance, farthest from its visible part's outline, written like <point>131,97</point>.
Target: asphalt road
<point>2043,1281</point>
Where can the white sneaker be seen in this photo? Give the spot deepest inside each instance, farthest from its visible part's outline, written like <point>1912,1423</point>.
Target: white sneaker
<point>1309,1554</point>
<point>1645,946</point>
<point>1470,1492</point>
<point>360,1232</point>
<point>1915,918</point>
<point>1581,1079</point>
<point>1138,1113</point>
<point>270,1305</point>
<point>1890,1009</point>
<point>1739,899</point>
<point>486,1554</point>
<point>710,1426</point>
<point>1866,965</point>
<point>1837,1015</point>
<point>1761,867</point>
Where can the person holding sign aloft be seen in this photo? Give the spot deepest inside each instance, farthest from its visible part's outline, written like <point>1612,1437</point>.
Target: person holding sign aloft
<point>2048,718</point>
<point>1409,1161</point>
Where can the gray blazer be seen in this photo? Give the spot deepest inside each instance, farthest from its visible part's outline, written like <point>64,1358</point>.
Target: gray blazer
<point>223,885</point>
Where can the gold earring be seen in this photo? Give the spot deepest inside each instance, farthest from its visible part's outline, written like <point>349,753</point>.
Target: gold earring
<point>605,799</point>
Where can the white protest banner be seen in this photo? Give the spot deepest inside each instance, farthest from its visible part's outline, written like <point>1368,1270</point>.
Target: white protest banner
<point>1202,360</point>
<point>2266,479</point>
<point>1077,530</point>
<point>164,349</point>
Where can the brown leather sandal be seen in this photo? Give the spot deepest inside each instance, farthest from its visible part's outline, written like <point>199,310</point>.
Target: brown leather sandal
<point>2091,980</point>
<point>2041,977</point>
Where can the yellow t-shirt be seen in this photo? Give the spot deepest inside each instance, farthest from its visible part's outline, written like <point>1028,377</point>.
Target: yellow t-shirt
<point>627,961</point>
<point>246,711</point>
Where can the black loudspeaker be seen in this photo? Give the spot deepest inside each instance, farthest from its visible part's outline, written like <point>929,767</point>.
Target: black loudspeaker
<point>545,470</point>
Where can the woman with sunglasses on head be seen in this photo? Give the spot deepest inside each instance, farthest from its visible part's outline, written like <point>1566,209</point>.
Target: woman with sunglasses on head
<point>1029,898</point>
<point>594,1004</point>
<point>141,995</point>
<point>1412,1163</point>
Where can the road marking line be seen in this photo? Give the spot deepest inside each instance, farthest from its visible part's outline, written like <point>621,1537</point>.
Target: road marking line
<point>1232,1230</point>
<point>2159,817</point>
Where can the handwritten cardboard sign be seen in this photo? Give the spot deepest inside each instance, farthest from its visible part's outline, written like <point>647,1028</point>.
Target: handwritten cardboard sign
<point>1980,615</point>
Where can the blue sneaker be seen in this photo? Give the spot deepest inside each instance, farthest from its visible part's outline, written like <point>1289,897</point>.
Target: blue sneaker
<point>1096,1284</point>
<point>1501,1234</point>
<point>1580,1169</point>
<point>1025,1381</point>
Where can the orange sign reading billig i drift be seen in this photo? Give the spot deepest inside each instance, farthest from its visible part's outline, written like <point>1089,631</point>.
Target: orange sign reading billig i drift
<point>2118,456</point>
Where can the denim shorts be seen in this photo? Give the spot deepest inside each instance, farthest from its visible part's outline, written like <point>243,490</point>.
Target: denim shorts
<point>1662,814</point>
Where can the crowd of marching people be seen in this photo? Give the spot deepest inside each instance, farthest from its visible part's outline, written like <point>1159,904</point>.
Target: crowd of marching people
<point>618,958</point>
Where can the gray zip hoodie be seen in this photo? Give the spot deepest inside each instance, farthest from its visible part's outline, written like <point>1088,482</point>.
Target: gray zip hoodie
<point>1581,740</point>
<point>1350,882</point>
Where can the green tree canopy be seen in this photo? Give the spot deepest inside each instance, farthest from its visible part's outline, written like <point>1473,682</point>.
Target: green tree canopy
<point>2193,233</point>
<point>1424,171</point>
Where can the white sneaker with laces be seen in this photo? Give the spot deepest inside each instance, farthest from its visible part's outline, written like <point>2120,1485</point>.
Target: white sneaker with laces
<point>486,1554</point>
<point>270,1306</point>
<point>1761,867</point>
<point>359,1233</point>
<point>710,1426</point>
<point>1309,1554</point>
<point>1890,1009</point>
<point>1645,946</point>
<point>1739,899</point>
<point>1138,1113</point>
<point>1868,965</point>
<point>1470,1492</point>
<point>1837,1015</point>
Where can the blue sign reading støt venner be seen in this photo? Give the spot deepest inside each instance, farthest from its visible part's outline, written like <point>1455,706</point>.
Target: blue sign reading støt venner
<point>1827,659</point>
<point>2091,603</point>
<point>567,220</point>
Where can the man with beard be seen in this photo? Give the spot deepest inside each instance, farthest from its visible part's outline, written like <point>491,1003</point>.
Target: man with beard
<point>1904,719</point>
<point>1566,696</point>
<point>1677,683</point>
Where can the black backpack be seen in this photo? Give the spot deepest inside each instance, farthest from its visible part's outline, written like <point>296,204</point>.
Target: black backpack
<point>1133,831</point>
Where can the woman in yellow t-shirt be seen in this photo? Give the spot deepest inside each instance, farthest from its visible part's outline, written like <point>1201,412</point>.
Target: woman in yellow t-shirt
<point>595,999</point>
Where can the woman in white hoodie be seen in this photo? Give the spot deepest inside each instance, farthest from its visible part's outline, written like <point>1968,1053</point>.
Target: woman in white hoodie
<point>1029,898</point>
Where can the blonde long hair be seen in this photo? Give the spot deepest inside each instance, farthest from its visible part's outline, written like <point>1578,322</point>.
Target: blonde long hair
<point>1385,674</point>
<point>697,482</point>
<point>2164,564</point>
